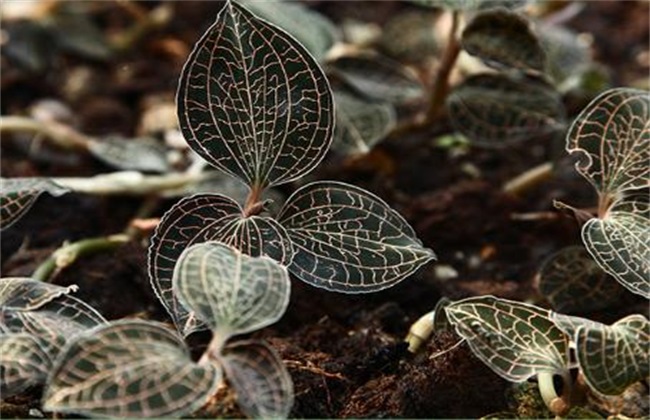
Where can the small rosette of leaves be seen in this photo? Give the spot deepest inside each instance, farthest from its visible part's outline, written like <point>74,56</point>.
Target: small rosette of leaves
<point>502,38</point>
<point>253,102</point>
<point>493,109</point>
<point>231,292</point>
<point>348,240</point>
<point>611,136</point>
<point>573,282</point>
<point>17,195</point>
<point>129,369</point>
<point>514,339</point>
<point>201,218</point>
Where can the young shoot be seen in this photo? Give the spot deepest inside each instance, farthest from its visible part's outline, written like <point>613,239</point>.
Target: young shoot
<point>148,367</point>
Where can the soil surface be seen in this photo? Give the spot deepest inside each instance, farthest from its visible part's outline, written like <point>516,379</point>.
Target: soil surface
<point>345,353</point>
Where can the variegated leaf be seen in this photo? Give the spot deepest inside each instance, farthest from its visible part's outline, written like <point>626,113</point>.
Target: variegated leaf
<point>620,244</point>
<point>231,292</point>
<point>17,195</point>
<point>377,78</point>
<point>129,369</point>
<point>573,282</point>
<point>314,31</point>
<point>569,325</point>
<point>612,138</point>
<point>440,320</point>
<point>514,339</point>
<point>349,240</point>
<point>263,385</point>
<point>492,109</point>
<point>25,294</point>
<point>360,124</point>
<point>614,357</point>
<point>201,218</point>
<point>23,362</point>
<point>502,38</point>
<point>253,102</point>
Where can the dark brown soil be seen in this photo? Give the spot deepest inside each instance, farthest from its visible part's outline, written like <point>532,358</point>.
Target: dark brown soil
<point>345,353</point>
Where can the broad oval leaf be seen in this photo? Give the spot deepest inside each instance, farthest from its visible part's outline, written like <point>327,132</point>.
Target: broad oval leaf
<point>24,362</point>
<point>378,78</point>
<point>573,282</point>
<point>620,244</point>
<point>492,109</point>
<point>129,369</point>
<point>360,124</point>
<point>138,154</point>
<point>202,218</point>
<point>349,240</point>
<point>314,31</point>
<point>514,339</point>
<point>614,357</point>
<point>253,102</point>
<point>612,137</point>
<point>17,195</point>
<point>263,385</point>
<point>503,39</point>
<point>231,292</point>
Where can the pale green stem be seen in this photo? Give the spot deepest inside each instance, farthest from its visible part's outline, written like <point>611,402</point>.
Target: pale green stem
<point>59,134</point>
<point>213,352</point>
<point>529,179</point>
<point>68,253</point>
<point>558,404</point>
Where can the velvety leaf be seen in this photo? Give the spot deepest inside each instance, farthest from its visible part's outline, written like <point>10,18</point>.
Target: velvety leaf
<point>620,244</point>
<point>23,363</point>
<point>139,154</point>
<point>503,39</point>
<point>18,194</point>
<point>349,240</point>
<point>360,124</point>
<point>410,36</point>
<point>231,292</point>
<point>463,5</point>
<point>378,78</point>
<point>258,376</point>
<point>201,218</point>
<point>253,102</point>
<point>314,31</point>
<point>612,138</point>
<point>493,109</point>
<point>573,282</point>
<point>614,357</point>
<point>129,369</point>
<point>569,324</point>
<point>514,339</point>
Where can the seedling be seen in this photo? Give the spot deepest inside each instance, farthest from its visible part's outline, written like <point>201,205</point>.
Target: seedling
<point>257,106</point>
<point>134,368</point>
<point>518,341</point>
<point>36,320</point>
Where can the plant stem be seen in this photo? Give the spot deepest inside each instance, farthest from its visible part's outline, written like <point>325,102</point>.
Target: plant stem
<point>559,405</point>
<point>61,135</point>
<point>253,204</point>
<point>68,253</point>
<point>441,83</point>
<point>529,179</point>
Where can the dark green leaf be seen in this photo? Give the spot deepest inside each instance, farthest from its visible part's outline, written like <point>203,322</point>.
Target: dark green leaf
<point>348,240</point>
<point>314,31</point>
<point>614,357</point>
<point>566,54</point>
<point>129,369</point>
<point>201,218</point>
<point>514,339</point>
<point>73,30</point>
<point>503,39</point>
<point>612,137</point>
<point>493,109</point>
<point>411,36</point>
<point>23,363</point>
<point>139,154</point>
<point>440,320</point>
<point>253,102</point>
<point>231,292</point>
<point>360,124</point>
<point>378,78</point>
<point>463,5</point>
<point>263,385</point>
<point>573,282</point>
<point>18,195</point>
